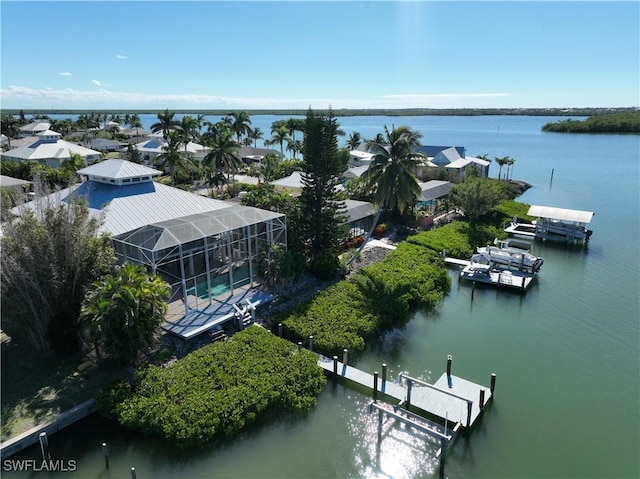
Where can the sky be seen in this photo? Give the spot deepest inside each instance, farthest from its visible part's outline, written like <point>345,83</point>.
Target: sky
<point>301,54</point>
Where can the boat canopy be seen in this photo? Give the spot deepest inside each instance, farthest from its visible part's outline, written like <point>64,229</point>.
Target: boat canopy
<point>561,214</point>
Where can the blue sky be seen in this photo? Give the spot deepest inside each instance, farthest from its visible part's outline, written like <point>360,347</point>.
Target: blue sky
<point>295,54</point>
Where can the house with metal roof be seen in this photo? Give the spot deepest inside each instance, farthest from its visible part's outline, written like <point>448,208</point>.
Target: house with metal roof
<point>34,128</point>
<point>154,146</point>
<point>201,246</point>
<point>50,149</point>
<point>431,192</point>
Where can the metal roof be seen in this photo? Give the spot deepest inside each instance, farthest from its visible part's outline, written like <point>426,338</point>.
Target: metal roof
<point>170,233</point>
<point>118,169</point>
<point>9,181</point>
<point>434,189</point>
<point>562,214</point>
<point>356,210</point>
<point>42,150</point>
<point>294,180</point>
<point>127,208</point>
<point>355,171</point>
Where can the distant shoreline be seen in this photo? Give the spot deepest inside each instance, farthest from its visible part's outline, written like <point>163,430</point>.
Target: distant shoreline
<point>344,111</point>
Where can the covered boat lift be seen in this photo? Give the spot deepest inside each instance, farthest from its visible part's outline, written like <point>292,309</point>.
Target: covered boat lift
<point>555,223</point>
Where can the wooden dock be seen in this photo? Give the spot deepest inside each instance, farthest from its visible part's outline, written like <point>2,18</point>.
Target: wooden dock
<point>451,398</point>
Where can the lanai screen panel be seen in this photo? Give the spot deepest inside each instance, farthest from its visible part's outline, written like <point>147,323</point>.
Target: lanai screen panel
<point>199,252</point>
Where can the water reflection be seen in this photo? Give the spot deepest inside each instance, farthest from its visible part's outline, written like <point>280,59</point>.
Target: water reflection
<point>390,449</point>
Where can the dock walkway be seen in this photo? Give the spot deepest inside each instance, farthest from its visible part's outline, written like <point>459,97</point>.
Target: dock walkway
<point>451,398</point>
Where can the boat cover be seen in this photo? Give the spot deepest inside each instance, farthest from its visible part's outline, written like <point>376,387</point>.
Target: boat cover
<point>561,214</point>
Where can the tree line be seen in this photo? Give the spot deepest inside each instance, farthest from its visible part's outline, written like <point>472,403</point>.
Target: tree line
<point>618,122</point>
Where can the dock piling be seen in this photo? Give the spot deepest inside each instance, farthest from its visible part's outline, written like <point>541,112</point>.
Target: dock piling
<point>375,385</point>
<point>310,343</point>
<point>345,355</point>
<point>335,365</point>
<point>384,373</point>
<point>408,401</point>
<point>299,345</point>
<point>44,446</point>
<point>280,329</point>
<point>482,400</point>
<point>105,451</point>
<point>493,383</point>
<point>133,473</point>
<point>449,359</point>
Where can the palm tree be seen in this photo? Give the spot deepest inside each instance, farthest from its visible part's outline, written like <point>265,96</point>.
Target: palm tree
<point>122,314</point>
<point>256,134</point>
<point>189,130</point>
<point>293,125</point>
<point>224,155</point>
<point>294,146</point>
<point>241,124</point>
<point>501,162</point>
<point>10,127</point>
<point>135,122</point>
<point>354,140</point>
<point>392,168</point>
<point>172,157</point>
<point>166,123</point>
<point>390,174</point>
<point>510,162</point>
<point>278,136</point>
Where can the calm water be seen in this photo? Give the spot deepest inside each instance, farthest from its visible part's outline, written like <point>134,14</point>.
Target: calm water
<point>566,354</point>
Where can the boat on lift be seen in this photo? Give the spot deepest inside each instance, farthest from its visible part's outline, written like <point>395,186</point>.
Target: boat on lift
<point>511,255</point>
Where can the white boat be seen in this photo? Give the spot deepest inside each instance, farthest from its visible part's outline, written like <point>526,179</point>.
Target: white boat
<point>511,255</point>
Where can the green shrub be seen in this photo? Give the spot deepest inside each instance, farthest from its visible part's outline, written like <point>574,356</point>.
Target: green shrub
<point>217,390</point>
<point>458,239</point>
<point>378,297</point>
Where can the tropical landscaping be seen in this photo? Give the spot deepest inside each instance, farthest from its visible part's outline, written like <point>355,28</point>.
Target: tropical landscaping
<point>110,313</point>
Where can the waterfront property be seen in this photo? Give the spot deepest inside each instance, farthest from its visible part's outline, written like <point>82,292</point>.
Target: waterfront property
<point>202,247</point>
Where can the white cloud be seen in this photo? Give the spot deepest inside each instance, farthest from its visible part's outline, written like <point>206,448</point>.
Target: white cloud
<point>64,74</point>
<point>121,57</point>
<point>25,97</point>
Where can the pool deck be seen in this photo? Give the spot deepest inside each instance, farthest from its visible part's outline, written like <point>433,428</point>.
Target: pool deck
<point>208,316</point>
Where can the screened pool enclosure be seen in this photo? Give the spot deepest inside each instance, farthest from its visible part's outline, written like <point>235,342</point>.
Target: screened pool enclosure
<point>207,254</point>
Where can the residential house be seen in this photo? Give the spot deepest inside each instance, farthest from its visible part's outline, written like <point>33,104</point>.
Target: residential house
<point>50,149</point>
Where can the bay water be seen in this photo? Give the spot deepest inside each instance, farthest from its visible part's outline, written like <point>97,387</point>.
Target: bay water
<point>566,353</point>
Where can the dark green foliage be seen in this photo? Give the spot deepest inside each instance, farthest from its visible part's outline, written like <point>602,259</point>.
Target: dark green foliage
<point>31,170</point>
<point>217,390</point>
<point>321,209</point>
<point>617,122</point>
<point>325,264</point>
<point>49,258</point>
<point>378,297</point>
<point>508,209</point>
<point>123,312</point>
<point>458,239</point>
<point>477,196</point>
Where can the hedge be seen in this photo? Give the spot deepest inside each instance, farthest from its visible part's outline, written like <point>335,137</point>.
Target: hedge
<point>217,390</point>
<point>376,298</point>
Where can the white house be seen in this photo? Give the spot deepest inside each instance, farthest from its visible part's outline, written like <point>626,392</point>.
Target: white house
<point>48,148</point>
<point>34,128</point>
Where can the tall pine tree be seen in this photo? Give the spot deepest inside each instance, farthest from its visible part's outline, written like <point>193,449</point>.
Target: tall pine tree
<point>321,209</point>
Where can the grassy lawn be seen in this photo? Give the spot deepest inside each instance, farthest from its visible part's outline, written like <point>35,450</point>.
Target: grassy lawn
<point>36,387</point>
